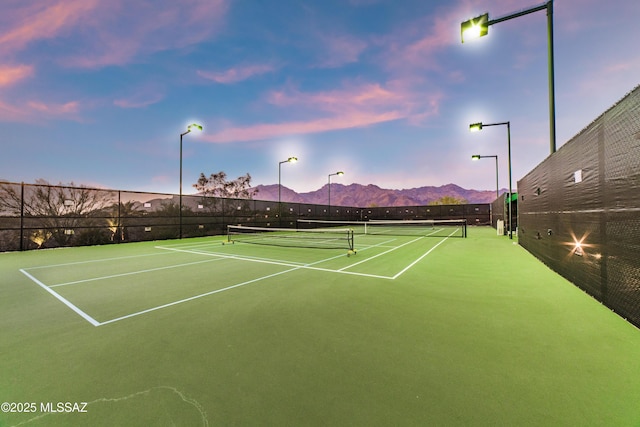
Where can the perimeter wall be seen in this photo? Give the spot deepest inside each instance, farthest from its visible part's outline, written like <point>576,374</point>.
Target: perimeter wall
<point>579,210</point>
<point>34,216</point>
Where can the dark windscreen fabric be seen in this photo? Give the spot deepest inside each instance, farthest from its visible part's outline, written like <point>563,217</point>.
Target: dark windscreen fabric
<point>579,210</point>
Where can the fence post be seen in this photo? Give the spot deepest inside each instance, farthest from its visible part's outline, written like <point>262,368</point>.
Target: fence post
<point>223,207</point>
<point>119,228</point>
<point>22,216</point>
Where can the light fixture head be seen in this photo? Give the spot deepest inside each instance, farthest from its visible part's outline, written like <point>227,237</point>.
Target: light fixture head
<point>292,159</point>
<point>475,127</point>
<point>475,157</point>
<point>474,28</point>
<point>340,173</point>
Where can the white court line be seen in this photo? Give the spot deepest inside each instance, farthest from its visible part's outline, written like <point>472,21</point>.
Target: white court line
<point>423,255</point>
<point>294,267</point>
<point>131,273</point>
<point>381,253</point>
<point>225,255</point>
<point>297,267</point>
<point>193,297</point>
<point>281,263</point>
<point>117,258</point>
<point>93,260</point>
<point>62,299</point>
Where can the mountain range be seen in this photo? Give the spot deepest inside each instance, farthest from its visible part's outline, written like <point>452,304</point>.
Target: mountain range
<point>358,195</point>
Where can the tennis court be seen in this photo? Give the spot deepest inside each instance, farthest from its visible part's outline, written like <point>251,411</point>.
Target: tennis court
<point>370,328</point>
<point>107,290</point>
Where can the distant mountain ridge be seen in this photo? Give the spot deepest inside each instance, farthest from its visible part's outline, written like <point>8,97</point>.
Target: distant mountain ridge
<point>358,195</point>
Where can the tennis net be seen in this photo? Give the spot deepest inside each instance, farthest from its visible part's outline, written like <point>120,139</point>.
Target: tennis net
<point>421,227</point>
<point>323,238</point>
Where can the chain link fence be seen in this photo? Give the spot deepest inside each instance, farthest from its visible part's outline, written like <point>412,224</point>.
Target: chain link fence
<point>34,216</point>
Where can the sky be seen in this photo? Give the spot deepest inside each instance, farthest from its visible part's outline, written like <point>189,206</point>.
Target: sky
<point>97,93</point>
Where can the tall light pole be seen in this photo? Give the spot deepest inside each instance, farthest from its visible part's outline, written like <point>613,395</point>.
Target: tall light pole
<point>329,187</point>
<point>479,26</point>
<point>478,157</point>
<point>191,127</point>
<point>474,127</point>
<point>289,160</point>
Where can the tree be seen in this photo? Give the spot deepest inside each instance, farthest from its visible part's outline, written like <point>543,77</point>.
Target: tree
<point>119,215</point>
<point>54,211</point>
<point>449,200</point>
<point>217,185</point>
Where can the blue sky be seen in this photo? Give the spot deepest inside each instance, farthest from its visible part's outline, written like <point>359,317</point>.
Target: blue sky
<point>97,92</point>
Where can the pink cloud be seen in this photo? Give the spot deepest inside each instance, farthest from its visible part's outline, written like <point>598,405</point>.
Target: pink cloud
<point>41,20</point>
<point>111,32</point>
<point>10,75</point>
<point>234,75</point>
<point>355,105</point>
<point>10,113</point>
<point>621,67</point>
<point>142,98</point>
<point>413,49</point>
<point>358,96</point>
<point>340,50</point>
<point>272,130</point>
<point>54,109</point>
<point>37,110</point>
<point>137,102</point>
<point>622,74</point>
<point>142,30</point>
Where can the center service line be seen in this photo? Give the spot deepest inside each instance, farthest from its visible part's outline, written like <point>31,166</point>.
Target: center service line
<point>422,256</point>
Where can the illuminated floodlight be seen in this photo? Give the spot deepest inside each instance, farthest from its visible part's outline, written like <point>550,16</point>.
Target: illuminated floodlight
<point>194,126</point>
<point>475,127</point>
<point>476,157</point>
<point>292,159</point>
<point>475,27</point>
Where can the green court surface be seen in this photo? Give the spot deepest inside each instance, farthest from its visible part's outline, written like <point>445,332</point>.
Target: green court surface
<point>408,331</point>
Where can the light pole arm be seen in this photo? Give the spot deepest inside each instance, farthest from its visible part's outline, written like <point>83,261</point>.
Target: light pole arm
<point>519,14</point>
<point>552,101</point>
<point>496,124</point>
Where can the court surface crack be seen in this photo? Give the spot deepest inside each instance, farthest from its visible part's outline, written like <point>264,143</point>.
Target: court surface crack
<point>183,397</point>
